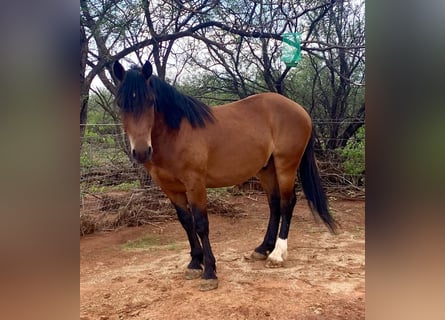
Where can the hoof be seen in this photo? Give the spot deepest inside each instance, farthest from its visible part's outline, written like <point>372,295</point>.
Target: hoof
<point>191,274</point>
<point>272,263</point>
<point>255,256</point>
<point>208,284</point>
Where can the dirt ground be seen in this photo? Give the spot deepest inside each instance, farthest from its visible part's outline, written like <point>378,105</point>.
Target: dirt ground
<point>137,273</point>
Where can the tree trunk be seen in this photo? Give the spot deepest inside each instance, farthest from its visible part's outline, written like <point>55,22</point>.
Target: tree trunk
<point>353,127</point>
<point>84,97</point>
<point>84,84</point>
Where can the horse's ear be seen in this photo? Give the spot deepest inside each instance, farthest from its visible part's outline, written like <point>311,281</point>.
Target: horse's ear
<point>147,70</point>
<point>119,71</point>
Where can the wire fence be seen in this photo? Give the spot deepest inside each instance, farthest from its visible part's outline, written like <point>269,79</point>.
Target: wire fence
<point>113,186</point>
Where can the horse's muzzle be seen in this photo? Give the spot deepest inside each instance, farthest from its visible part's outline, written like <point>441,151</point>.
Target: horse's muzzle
<point>142,156</point>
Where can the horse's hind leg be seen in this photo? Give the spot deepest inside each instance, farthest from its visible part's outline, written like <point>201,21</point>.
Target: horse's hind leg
<point>269,183</point>
<point>286,181</point>
<point>194,268</point>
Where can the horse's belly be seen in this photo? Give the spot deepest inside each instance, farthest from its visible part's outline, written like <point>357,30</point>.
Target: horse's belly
<point>232,171</point>
<point>226,181</point>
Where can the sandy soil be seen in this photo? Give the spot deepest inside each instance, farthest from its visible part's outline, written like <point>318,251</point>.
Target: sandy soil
<point>137,273</point>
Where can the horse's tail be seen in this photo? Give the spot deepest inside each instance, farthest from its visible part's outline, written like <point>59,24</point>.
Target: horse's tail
<point>311,183</point>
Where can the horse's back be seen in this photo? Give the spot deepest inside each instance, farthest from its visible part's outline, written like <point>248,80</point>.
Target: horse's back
<point>273,107</point>
<point>286,121</point>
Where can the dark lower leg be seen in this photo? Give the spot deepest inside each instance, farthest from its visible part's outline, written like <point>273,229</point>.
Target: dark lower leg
<point>287,208</point>
<point>202,229</point>
<point>272,229</point>
<point>196,252</point>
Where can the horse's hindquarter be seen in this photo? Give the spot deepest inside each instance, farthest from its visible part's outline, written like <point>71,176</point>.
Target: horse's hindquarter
<point>292,125</point>
<point>247,132</point>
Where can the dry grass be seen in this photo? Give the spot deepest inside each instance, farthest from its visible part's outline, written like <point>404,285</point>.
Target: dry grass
<point>112,210</point>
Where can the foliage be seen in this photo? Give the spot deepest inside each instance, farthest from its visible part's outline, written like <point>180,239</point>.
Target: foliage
<point>354,154</point>
<point>209,89</point>
<point>101,101</point>
<point>86,161</point>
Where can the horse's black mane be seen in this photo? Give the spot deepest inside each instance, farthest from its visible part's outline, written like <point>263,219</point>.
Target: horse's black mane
<point>133,94</point>
<point>175,105</point>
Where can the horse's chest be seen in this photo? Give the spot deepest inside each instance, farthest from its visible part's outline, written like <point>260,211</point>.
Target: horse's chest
<point>166,178</point>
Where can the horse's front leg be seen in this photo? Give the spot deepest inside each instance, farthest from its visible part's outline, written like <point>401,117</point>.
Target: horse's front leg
<point>179,201</point>
<point>197,197</point>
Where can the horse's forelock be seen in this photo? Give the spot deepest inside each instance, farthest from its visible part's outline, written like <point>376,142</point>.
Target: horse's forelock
<point>133,92</point>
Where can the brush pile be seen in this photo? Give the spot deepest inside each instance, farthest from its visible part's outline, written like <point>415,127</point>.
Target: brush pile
<point>112,210</point>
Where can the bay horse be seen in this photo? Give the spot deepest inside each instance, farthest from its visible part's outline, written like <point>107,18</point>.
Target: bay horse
<point>187,146</point>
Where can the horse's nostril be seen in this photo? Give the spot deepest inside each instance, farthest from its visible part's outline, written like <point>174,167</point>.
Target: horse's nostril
<point>148,153</point>
<point>142,156</point>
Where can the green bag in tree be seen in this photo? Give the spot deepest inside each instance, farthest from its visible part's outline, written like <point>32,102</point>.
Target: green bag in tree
<point>291,50</point>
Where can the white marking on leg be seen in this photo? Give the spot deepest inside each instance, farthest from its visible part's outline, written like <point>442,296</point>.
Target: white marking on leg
<point>279,254</point>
